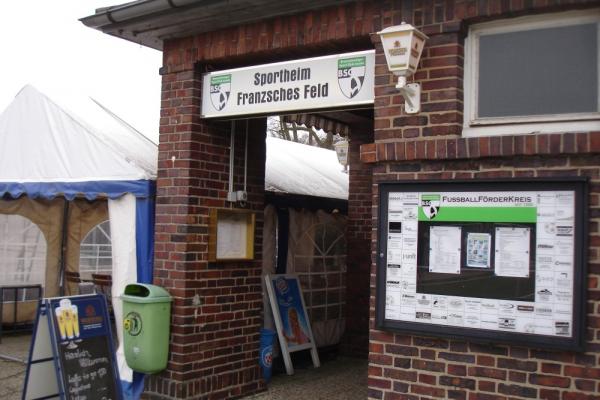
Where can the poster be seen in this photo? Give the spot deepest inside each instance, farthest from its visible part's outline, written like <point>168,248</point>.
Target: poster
<point>444,249</point>
<point>478,250</point>
<point>512,252</point>
<point>291,320</point>
<point>293,316</point>
<point>497,259</point>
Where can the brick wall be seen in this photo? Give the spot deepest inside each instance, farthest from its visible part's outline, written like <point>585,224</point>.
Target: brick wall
<point>214,345</point>
<point>213,355</point>
<point>429,146</point>
<point>358,236</point>
<point>414,367</point>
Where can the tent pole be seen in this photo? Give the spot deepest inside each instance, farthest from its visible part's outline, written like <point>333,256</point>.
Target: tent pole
<point>63,244</point>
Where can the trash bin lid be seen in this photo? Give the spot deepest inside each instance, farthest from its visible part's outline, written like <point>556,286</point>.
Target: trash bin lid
<point>145,293</point>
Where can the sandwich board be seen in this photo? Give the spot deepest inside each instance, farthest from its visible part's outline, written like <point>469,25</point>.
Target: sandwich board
<point>291,320</point>
<point>72,355</point>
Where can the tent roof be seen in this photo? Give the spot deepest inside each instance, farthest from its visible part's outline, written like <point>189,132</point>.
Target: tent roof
<point>45,141</point>
<point>306,170</point>
<point>77,147</point>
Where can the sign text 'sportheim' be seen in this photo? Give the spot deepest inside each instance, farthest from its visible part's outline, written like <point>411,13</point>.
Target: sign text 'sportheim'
<point>314,83</point>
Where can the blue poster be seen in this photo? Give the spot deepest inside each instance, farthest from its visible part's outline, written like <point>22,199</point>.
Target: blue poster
<point>293,316</point>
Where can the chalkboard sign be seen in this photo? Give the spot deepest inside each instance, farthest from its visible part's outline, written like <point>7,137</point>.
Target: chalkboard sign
<point>78,332</point>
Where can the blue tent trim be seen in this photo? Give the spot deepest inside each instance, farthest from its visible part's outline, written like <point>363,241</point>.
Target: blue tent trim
<point>143,190</point>
<point>70,190</point>
<point>144,238</point>
<point>144,244</point>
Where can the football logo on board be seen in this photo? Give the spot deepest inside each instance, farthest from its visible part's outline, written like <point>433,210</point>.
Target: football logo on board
<point>430,204</point>
<point>220,89</point>
<point>351,75</point>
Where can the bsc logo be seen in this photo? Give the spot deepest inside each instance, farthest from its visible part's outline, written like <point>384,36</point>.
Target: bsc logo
<point>220,89</point>
<point>351,75</point>
<point>430,204</point>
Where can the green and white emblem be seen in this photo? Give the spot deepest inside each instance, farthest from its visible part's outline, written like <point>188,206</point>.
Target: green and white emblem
<point>430,204</point>
<point>351,75</point>
<point>220,89</point>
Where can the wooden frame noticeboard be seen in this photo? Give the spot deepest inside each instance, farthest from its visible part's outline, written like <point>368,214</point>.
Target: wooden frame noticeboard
<point>231,235</point>
<point>491,261</point>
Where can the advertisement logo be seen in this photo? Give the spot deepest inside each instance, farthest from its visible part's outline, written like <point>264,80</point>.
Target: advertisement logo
<point>351,75</point>
<point>220,89</point>
<point>430,204</point>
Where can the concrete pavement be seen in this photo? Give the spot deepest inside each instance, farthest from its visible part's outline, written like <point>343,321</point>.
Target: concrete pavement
<point>12,372</point>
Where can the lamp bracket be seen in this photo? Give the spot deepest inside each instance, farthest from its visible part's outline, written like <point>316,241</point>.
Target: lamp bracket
<point>412,95</point>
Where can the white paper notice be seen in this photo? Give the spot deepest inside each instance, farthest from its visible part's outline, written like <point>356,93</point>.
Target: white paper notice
<point>512,252</point>
<point>444,249</point>
<point>478,250</point>
<point>231,237</point>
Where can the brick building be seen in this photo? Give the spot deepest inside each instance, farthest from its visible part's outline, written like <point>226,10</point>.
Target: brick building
<point>474,124</point>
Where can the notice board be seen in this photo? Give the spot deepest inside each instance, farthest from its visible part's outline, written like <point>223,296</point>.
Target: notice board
<point>494,261</point>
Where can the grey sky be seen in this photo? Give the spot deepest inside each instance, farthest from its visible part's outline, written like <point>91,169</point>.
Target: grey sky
<point>44,44</point>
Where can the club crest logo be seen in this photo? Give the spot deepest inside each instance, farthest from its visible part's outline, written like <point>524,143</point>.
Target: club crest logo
<point>220,89</point>
<point>430,204</point>
<point>351,75</point>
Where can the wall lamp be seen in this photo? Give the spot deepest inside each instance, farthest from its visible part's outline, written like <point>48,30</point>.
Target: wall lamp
<point>403,45</point>
<point>341,150</point>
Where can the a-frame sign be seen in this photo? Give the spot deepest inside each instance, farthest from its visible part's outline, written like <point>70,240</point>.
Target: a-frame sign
<point>72,354</point>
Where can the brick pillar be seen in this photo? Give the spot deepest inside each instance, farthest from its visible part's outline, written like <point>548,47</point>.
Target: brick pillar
<point>216,312</point>
<point>358,235</point>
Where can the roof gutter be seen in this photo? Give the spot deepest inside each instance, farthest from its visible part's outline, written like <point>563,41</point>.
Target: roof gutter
<point>133,10</point>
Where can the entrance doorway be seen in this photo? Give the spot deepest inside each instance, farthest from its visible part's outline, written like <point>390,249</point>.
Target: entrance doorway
<point>318,236</point>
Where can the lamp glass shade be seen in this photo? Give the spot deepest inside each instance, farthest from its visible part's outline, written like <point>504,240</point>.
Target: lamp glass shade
<point>402,45</point>
<point>341,150</point>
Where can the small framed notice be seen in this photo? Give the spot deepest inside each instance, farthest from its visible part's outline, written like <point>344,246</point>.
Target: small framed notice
<point>231,235</point>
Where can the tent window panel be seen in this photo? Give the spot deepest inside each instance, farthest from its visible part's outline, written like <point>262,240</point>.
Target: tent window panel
<point>95,253</point>
<point>22,255</point>
<point>322,272</point>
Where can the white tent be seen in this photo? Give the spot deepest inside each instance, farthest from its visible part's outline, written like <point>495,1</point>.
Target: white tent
<point>67,164</point>
<point>66,168</point>
<point>306,170</point>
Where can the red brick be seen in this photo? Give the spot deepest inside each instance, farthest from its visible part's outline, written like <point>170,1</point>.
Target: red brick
<point>549,368</point>
<point>428,391</point>
<point>379,383</point>
<point>582,372</point>
<point>399,374</point>
<point>595,142</point>
<point>549,380</point>
<point>486,386</point>
<point>487,372</point>
<point>547,394</point>
<point>427,379</point>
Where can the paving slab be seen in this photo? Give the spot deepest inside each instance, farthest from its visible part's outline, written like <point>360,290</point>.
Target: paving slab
<point>14,351</point>
<point>341,379</point>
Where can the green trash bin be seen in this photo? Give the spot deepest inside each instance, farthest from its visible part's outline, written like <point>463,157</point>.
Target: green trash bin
<point>146,321</point>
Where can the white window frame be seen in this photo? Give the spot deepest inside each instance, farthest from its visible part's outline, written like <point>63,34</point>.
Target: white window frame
<point>531,124</point>
<point>96,249</point>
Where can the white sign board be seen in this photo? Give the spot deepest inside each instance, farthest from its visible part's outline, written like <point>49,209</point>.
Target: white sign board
<point>339,80</point>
